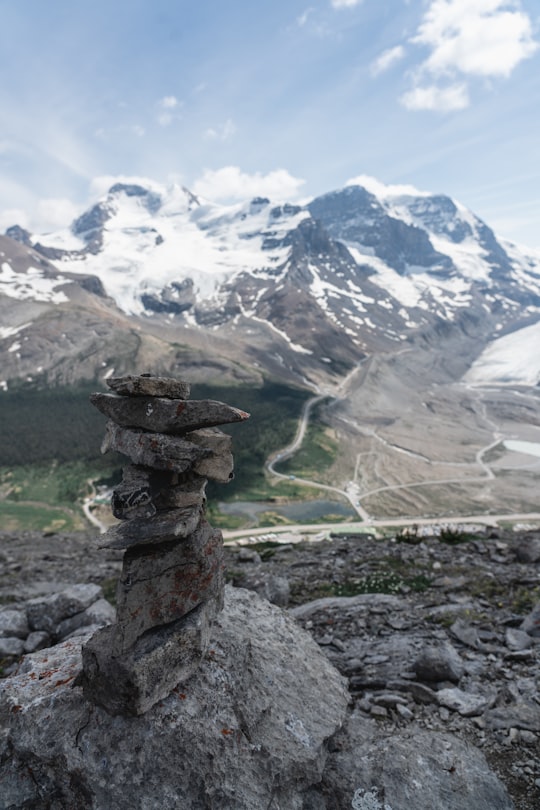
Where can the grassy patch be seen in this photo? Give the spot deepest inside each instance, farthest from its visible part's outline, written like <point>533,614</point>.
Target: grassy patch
<point>453,537</point>
<point>275,410</point>
<point>387,582</point>
<point>38,517</point>
<point>318,452</point>
<point>54,483</point>
<point>109,590</point>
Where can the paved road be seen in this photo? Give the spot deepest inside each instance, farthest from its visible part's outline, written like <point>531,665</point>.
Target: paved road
<point>317,528</point>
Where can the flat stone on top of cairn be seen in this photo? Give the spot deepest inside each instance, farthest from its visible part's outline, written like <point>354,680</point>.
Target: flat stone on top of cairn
<point>161,415</point>
<point>145,385</point>
<point>171,586</point>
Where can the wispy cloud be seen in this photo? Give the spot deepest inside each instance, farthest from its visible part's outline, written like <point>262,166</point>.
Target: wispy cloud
<point>387,59</point>
<point>13,216</point>
<point>168,102</point>
<point>437,98</point>
<point>231,183</point>
<point>222,132</point>
<point>101,184</point>
<point>467,39</point>
<point>382,189</point>
<point>304,17</point>
<point>345,3</point>
<point>166,110</point>
<point>53,213</point>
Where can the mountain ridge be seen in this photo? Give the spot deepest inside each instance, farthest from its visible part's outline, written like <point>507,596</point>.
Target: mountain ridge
<point>353,270</point>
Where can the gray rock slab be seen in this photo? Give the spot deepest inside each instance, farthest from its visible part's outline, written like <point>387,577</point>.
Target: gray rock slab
<point>419,692</point>
<point>412,768</point>
<point>163,527</point>
<point>144,491</point>
<point>171,416</point>
<point>13,623</point>
<point>248,732</point>
<point>517,640</point>
<point>98,614</point>
<point>146,385</point>
<point>219,465</point>
<point>439,662</point>
<point>528,550</point>
<point>523,714</point>
<point>37,640</point>
<point>467,634</point>
<point>531,623</point>
<point>46,613</point>
<point>153,449</point>
<point>11,646</point>
<point>346,603</point>
<point>131,682</point>
<point>468,704</point>
<point>163,585</point>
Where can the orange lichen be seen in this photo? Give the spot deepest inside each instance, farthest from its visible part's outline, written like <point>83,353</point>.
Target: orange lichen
<point>47,673</point>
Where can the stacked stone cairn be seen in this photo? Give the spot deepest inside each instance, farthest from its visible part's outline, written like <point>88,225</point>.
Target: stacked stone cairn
<point>171,585</point>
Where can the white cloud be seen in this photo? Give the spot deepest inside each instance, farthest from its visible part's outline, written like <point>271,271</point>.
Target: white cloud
<point>436,98</point>
<point>386,59</point>
<point>231,183</point>
<point>475,37</point>
<point>54,213</point>
<point>101,184</point>
<point>13,216</point>
<point>168,102</point>
<point>345,3</point>
<point>40,215</point>
<point>381,190</point>
<point>303,18</point>
<point>467,40</point>
<point>222,132</point>
<point>138,131</point>
<point>166,105</point>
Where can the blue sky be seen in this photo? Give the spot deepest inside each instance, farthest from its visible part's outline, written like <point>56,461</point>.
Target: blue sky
<point>288,98</point>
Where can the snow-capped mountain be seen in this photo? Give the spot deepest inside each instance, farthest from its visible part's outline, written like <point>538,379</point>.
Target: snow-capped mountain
<point>300,290</point>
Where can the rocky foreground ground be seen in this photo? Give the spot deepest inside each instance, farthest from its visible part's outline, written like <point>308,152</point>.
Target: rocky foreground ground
<point>434,633</point>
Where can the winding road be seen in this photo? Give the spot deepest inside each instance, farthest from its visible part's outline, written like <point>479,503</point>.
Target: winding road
<point>352,493</point>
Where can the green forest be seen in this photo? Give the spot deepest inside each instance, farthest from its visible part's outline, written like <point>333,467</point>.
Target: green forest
<point>50,441</point>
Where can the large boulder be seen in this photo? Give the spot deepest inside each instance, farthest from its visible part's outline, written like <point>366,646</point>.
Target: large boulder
<point>413,769</point>
<point>249,730</point>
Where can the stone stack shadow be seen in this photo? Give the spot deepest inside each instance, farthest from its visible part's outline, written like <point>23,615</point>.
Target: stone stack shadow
<point>171,585</point>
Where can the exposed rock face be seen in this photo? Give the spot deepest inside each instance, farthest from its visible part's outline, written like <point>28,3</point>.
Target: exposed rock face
<point>413,768</point>
<point>249,731</point>
<point>412,739</point>
<point>451,650</point>
<point>43,621</point>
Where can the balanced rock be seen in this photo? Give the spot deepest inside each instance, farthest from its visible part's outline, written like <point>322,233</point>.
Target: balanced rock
<point>155,450</point>
<point>131,681</point>
<point>162,585</point>
<point>146,385</point>
<point>163,527</point>
<point>171,587</point>
<point>144,491</point>
<point>219,464</point>
<point>169,416</point>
